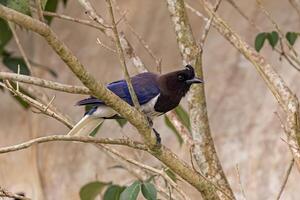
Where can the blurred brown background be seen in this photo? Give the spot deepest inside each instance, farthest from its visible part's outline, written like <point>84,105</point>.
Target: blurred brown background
<point>241,109</point>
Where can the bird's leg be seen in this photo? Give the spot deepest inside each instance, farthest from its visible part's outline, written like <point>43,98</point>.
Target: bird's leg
<point>158,138</point>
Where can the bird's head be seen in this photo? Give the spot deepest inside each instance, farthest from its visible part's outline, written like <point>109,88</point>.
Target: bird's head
<point>178,82</point>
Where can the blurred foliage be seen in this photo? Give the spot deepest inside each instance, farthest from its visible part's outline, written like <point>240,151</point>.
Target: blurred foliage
<point>92,190</point>
<point>273,38</point>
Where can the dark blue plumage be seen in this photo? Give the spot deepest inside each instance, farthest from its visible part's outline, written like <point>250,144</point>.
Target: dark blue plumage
<point>157,94</point>
<point>145,86</point>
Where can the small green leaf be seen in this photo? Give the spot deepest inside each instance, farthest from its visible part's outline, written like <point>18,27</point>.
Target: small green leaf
<point>91,190</point>
<point>5,34</point>
<point>149,191</point>
<point>291,37</point>
<point>131,192</point>
<point>183,116</point>
<point>113,192</point>
<point>273,38</point>
<point>20,100</point>
<point>260,40</point>
<point>23,103</point>
<point>50,6</point>
<point>172,127</point>
<point>20,6</point>
<point>121,122</point>
<point>13,62</point>
<point>171,174</point>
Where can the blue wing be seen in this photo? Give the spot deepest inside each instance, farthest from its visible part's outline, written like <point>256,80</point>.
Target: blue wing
<point>145,86</point>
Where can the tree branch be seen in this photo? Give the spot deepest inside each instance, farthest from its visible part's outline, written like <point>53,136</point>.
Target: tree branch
<point>204,151</point>
<point>44,83</point>
<point>286,99</point>
<point>100,91</point>
<point>92,140</point>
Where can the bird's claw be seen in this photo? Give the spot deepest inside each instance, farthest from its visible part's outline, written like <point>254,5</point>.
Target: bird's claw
<point>158,138</point>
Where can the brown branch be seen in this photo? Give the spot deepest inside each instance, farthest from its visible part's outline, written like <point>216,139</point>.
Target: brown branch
<point>55,138</point>
<point>204,151</point>
<point>39,10</point>
<point>128,49</point>
<point>286,99</point>
<point>43,108</point>
<point>287,175</point>
<point>44,83</point>
<point>5,193</point>
<point>98,90</point>
<point>122,57</point>
<point>21,49</point>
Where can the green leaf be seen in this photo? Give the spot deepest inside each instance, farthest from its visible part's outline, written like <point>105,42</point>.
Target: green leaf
<point>131,192</point>
<point>291,37</point>
<point>3,2</point>
<point>273,38</point>
<point>13,62</point>
<point>23,103</point>
<point>50,6</point>
<point>172,127</point>
<point>20,100</point>
<point>113,192</point>
<point>5,34</point>
<point>260,40</point>
<point>171,174</point>
<point>121,122</point>
<point>183,116</point>
<point>91,190</point>
<point>149,191</point>
<point>20,6</point>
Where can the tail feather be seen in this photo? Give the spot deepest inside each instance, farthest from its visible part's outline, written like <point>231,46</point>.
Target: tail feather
<point>86,125</point>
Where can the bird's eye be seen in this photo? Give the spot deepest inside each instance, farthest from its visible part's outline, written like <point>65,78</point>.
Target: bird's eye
<point>180,77</point>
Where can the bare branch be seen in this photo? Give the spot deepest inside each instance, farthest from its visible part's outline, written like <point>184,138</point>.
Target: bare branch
<point>121,57</point>
<point>288,172</point>
<point>5,193</point>
<point>204,151</point>
<point>21,49</point>
<point>44,83</point>
<point>39,10</point>
<point>44,109</point>
<point>286,99</point>
<point>55,138</point>
<point>98,90</point>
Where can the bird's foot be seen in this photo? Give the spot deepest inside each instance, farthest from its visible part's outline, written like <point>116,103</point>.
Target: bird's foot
<point>150,121</point>
<point>158,138</point>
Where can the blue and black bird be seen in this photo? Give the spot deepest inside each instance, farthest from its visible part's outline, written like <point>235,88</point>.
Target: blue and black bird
<point>157,94</point>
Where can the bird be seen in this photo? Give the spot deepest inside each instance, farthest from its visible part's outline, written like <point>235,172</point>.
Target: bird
<point>157,94</point>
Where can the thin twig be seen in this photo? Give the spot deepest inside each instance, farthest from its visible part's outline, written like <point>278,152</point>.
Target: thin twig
<point>5,193</point>
<point>44,83</point>
<point>288,172</point>
<point>281,34</point>
<point>122,57</point>
<point>55,138</point>
<point>240,182</point>
<point>207,26</point>
<point>21,49</point>
<point>73,19</point>
<point>105,46</point>
<point>150,169</point>
<point>295,5</point>
<point>44,109</point>
<point>39,10</point>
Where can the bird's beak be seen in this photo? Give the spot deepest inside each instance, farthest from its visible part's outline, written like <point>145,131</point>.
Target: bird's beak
<point>194,80</point>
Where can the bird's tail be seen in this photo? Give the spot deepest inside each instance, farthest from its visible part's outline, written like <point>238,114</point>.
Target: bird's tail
<point>86,125</point>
